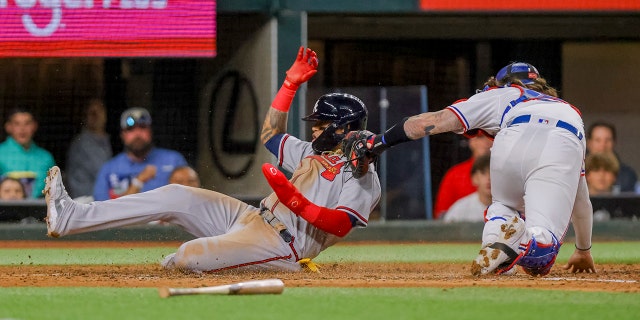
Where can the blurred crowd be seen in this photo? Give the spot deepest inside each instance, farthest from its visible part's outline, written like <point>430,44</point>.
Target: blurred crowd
<point>93,172</point>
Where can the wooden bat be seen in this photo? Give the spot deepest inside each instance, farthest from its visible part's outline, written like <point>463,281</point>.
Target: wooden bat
<point>268,286</point>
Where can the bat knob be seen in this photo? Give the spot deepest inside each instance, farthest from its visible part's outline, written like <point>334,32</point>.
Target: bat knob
<point>164,292</point>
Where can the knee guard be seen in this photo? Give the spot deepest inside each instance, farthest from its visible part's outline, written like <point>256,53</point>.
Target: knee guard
<point>537,259</point>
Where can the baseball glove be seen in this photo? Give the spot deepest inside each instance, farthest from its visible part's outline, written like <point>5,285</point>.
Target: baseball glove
<point>354,147</point>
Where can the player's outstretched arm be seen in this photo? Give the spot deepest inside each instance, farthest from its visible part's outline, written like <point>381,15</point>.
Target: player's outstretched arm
<point>413,128</point>
<point>303,68</point>
<point>329,220</point>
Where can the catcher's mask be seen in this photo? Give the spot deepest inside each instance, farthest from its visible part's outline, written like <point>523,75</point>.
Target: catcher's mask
<point>522,71</point>
<point>344,111</point>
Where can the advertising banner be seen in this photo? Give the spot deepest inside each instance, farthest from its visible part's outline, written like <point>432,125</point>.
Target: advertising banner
<point>107,28</point>
<point>543,5</point>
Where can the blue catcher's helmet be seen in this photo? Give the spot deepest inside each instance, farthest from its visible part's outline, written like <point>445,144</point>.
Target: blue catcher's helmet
<point>522,71</point>
<point>344,111</point>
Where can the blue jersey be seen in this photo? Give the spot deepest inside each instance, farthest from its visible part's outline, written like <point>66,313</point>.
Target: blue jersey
<point>115,176</point>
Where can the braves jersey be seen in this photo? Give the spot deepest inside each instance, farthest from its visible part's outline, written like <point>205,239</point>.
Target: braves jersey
<point>324,181</point>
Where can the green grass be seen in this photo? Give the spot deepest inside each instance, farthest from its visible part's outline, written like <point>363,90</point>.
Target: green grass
<point>316,303</point>
<point>607,252</point>
<point>319,303</point>
<point>58,256</point>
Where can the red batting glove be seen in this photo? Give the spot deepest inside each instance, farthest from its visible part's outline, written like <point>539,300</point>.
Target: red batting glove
<point>329,220</point>
<point>303,68</point>
<point>284,189</point>
<point>301,71</point>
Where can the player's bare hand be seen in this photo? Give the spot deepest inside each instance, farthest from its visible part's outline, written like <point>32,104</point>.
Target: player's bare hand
<point>580,261</point>
<point>147,173</point>
<point>304,67</point>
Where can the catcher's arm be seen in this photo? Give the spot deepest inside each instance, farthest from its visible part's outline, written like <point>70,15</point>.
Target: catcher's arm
<point>413,128</point>
<point>582,220</point>
<point>303,68</point>
<point>329,220</point>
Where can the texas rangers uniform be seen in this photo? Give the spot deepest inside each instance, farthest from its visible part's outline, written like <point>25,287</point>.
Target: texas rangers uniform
<point>231,233</point>
<point>536,159</point>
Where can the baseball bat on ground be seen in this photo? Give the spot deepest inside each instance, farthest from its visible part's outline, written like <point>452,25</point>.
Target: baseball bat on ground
<point>268,286</point>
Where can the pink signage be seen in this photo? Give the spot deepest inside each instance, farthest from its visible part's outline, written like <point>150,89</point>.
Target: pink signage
<point>107,28</point>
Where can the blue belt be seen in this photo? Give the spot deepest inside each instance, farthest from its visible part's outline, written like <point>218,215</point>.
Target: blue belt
<point>560,124</point>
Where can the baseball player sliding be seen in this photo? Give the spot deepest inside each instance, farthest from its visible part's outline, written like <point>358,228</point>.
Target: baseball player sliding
<point>320,204</point>
<point>537,176</point>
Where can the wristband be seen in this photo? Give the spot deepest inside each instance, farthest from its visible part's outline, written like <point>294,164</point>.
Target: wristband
<point>396,134</point>
<point>587,249</point>
<point>137,183</point>
<point>284,97</point>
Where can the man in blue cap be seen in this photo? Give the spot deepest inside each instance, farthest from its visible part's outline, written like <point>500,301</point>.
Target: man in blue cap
<point>537,169</point>
<point>141,166</point>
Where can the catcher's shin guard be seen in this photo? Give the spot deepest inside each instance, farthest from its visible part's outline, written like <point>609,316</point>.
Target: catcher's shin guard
<point>537,259</point>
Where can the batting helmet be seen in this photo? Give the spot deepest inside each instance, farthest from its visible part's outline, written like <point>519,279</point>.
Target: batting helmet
<point>522,71</point>
<point>344,111</point>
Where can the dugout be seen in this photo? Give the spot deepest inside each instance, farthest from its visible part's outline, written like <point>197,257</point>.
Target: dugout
<point>590,52</point>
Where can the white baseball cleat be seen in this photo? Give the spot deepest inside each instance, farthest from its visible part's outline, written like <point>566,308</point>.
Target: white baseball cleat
<point>167,262</point>
<point>56,198</point>
<point>500,256</point>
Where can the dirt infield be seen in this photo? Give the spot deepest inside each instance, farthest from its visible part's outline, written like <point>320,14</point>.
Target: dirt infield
<point>610,277</point>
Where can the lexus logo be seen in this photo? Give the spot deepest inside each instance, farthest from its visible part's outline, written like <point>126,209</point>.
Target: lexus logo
<point>233,124</point>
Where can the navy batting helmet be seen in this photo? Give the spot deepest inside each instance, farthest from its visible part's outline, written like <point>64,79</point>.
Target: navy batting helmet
<point>344,111</point>
<point>522,71</point>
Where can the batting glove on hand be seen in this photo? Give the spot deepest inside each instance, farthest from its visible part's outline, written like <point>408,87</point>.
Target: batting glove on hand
<point>287,193</point>
<point>303,68</point>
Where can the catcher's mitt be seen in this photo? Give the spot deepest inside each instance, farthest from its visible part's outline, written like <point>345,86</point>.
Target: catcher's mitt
<point>354,147</point>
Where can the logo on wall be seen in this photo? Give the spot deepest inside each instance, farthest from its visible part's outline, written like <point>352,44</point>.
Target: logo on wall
<point>107,28</point>
<point>56,7</point>
<point>233,124</point>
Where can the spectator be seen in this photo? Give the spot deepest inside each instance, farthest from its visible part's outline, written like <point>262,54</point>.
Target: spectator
<point>185,176</point>
<point>12,189</point>
<point>471,208</point>
<point>601,170</point>
<point>601,137</point>
<point>456,183</point>
<point>88,151</point>
<point>20,157</point>
<point>141,166</point>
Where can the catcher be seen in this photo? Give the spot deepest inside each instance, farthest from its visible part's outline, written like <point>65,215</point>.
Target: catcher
<point>537,175</point>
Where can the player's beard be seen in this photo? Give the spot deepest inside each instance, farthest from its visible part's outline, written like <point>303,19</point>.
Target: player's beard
<point>139,148</point>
